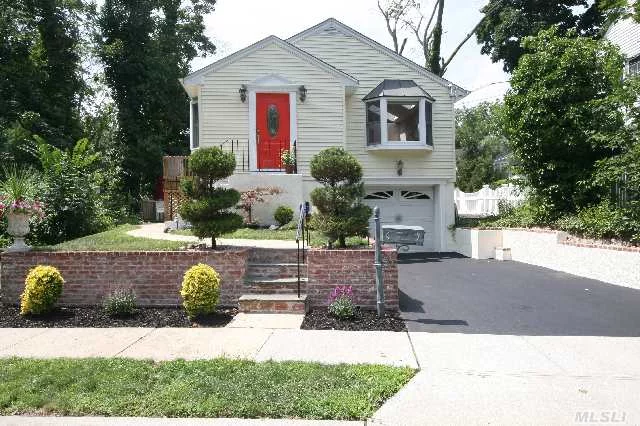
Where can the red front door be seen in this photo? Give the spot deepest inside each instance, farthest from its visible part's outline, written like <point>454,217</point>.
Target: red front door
<point>272,128</point>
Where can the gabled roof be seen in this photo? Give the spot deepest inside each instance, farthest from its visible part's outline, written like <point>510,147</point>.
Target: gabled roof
<point>398,89</point>
<point>196,76</point>
<point>332,22</point>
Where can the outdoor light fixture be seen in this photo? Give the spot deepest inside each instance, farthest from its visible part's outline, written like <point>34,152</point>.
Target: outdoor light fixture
<point>399,166</point>
<point>302,93</point>
<point>243,92</point>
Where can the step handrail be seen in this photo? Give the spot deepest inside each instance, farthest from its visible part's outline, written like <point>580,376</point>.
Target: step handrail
<point>303,211</point>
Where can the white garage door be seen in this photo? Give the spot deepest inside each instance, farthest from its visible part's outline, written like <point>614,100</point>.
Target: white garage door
<point>405,206</point>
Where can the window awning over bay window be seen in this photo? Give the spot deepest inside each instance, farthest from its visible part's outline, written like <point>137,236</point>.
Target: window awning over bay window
<point>399,116</point>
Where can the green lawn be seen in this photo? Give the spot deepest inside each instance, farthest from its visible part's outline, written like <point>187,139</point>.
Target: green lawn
<point>317,239</point>
<point>115,239</point>
<point>211,388</point>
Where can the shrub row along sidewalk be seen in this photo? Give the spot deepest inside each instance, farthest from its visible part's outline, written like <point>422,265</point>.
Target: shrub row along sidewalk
<point>212,388</point>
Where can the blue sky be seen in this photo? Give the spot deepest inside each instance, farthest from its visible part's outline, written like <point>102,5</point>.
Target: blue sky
<point>238,23</point>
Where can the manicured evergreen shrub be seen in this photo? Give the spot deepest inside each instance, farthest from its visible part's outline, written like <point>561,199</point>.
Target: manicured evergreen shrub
<point>208,207</point>
<point>340,212</point>
<point>200,290</point>
<point>283,215</point>
<point>43,287</point>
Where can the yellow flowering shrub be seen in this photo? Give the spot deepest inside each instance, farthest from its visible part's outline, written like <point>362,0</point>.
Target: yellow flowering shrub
<point>200,290</point>
<point>42,289</point>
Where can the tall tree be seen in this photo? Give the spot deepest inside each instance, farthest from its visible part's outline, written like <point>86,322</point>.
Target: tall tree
<point>41,85</point>
<point>565,106</point>
<point>507,22</point>
<point>427,29</point>
<point>146,46</point>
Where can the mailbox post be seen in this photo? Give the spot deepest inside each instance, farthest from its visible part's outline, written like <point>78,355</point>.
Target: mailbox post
<point>378,263</point>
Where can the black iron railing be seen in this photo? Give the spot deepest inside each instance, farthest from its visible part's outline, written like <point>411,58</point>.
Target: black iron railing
<point>242,150</point>
<point>302,233</point>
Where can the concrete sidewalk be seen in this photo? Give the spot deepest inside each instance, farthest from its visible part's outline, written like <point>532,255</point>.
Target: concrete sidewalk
<point>469,379</point>
<point>155,231</point>
<point>326,346</point>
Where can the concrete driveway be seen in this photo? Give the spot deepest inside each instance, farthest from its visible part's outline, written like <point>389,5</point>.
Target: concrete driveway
<point>448,293</point>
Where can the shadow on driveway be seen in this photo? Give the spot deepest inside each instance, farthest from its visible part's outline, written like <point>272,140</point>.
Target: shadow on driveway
<point>449,293</point>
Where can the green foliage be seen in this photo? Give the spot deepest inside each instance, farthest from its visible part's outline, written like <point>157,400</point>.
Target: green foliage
<point>342,308</point>
<point>18,184</point>
<point>283,215</point>
<point>208,207</point>
<point>120,303</point>
<point>480,145</point>
<point>565,106</point>
<point>43,287</point>
<point>200,290</point>
<point>507,23</point>
<point>77,191</point>
<point>41,86</point>
<point>218,387</point>
<point>146,46</point>
<point>604,221</point>
<point>340,211</point>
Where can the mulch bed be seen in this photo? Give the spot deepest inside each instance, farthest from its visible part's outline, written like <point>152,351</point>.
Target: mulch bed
<point>320,319</point>
<point>96,317</point>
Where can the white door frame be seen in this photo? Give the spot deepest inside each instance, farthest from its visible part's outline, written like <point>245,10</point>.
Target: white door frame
<point>270,84</point>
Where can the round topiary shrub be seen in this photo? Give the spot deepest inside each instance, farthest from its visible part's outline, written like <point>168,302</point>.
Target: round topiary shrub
<point>200,290</point>
<point>283,215</point>
<point>42,289</point>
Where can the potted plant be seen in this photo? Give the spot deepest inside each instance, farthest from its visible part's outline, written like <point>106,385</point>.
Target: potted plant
<point>288,161</point>
<point>18,203</point>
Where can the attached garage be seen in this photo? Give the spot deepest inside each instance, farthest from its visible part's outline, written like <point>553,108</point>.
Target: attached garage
<point>405,206</point>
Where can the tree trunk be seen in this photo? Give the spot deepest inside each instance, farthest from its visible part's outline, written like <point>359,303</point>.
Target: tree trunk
<point>213,243</point>
<point>434,62</point>
<point>342,243</point>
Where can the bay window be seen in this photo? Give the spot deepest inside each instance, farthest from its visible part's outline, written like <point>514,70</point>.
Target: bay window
<point>399,115</point>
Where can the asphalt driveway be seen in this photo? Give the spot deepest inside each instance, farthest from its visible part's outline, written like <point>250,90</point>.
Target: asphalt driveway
<point>449,293</point>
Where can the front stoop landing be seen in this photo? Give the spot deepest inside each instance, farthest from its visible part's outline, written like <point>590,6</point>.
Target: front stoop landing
<point>273,303</point>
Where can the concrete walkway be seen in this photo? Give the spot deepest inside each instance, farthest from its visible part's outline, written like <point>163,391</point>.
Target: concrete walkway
<point>260,344</point>
<point>155,231</point>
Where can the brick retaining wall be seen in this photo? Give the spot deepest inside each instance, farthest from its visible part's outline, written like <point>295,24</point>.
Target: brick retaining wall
<point>155,276</point>
<point>329,268</point>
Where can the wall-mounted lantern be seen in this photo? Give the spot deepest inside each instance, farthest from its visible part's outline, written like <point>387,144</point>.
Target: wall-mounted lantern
<point>302,93</point>
<point>399,167</point>
<point>243,92</point>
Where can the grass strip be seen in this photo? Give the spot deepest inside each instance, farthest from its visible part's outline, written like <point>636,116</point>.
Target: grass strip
<point>209,388</point>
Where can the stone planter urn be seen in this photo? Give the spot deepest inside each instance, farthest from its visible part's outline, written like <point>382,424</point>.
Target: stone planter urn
<point>18,228</point>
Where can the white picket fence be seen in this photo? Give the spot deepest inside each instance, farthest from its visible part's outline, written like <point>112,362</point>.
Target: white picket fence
<point>485,201</point>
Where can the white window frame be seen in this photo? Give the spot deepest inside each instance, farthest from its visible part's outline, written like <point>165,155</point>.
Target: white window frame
<point>422,123</point>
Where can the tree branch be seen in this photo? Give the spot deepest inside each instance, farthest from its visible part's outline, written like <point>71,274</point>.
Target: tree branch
<point>455,51</point>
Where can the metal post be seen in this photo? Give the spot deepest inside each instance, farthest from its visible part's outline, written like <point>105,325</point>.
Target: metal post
<point>378,263</point>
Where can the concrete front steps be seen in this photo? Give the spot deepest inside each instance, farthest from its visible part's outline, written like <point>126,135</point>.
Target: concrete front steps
<point>271,283</point>
<point>273,303</point>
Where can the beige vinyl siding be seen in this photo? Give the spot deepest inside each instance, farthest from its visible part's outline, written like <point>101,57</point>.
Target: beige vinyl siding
<point>370,67</point>
<point>320,118</point>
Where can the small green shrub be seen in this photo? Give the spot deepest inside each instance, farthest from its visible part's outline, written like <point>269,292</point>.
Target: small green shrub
<point>43,287</point>
<point>283,215</point>
<point>200,290</point>
<point>341,303</point>
<point>603,221</point>
<point>120,303</point>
